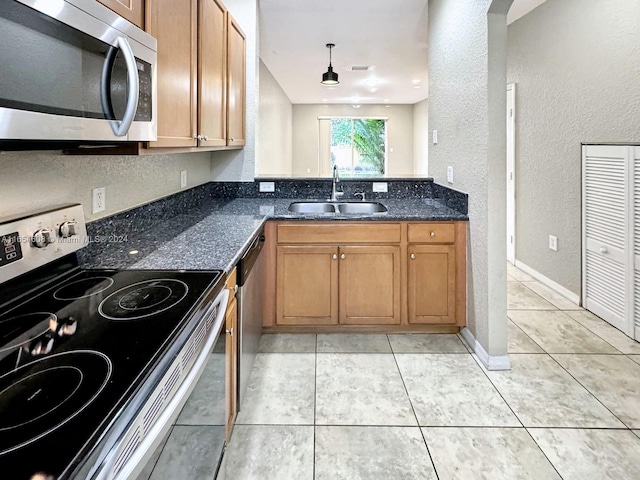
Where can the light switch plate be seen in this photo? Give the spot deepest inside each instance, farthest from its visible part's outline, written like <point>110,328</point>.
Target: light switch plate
<point>435,137</point>
<point>450,174</point>
<point>267,186</point>
<point>553,243</point>
<point>379,186</point>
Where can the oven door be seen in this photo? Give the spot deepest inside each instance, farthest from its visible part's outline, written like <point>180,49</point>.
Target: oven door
<point>74,70</point>
<point>150,415</point>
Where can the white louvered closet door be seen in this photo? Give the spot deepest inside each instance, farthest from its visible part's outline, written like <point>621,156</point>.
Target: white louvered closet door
<point>636,241</point>
<point>607,220</point>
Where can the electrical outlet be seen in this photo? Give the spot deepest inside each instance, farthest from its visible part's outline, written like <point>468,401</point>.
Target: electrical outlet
<point>183,179</point>
<point>99,199</point>
<point>435,137</point>
<point>379,186</point>
<point>267,186</point>
<point>450,174</point>
<point>553,243</point>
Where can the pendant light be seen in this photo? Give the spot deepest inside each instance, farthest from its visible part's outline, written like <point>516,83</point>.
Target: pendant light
<point>330,77</point>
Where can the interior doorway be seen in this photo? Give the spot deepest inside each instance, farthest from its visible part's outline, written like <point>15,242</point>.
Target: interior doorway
<point>511,173</point>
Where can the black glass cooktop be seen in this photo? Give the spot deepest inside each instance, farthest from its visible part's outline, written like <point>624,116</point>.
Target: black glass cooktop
<point>71,356</point>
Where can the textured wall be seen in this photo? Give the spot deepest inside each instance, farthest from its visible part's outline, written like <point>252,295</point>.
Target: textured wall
<point>577,66</point>
<point>306,133</point>
<point>275,127</point>
<point>32,181</point>
<point>239,165</point>
<point>421,137</point>
<point>463,78</point>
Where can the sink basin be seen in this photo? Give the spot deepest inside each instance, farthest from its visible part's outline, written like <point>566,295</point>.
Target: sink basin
<point>342,207</point>
<point>312,207</point>
<point>361,207</point>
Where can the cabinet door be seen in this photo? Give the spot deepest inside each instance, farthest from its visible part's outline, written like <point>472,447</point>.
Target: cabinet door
<point>235,84</point>
<point>231,349</point>
<point>370,285</point>
<point>174,24</point>
<point>307,285</point>
<point>132,10</point>
<point>212,73</point>
<point>431,283</point>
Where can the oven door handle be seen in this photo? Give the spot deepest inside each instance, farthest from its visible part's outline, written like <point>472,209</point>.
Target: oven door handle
<point>120,128</point>
<point>179,397</point>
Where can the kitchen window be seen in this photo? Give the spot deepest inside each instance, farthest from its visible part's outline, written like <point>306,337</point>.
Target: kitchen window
<point>357,145</point>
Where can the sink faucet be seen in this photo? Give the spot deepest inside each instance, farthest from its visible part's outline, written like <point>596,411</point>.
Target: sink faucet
<point>336,179</point>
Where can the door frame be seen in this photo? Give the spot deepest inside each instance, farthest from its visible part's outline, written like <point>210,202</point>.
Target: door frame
<point>511,173</point>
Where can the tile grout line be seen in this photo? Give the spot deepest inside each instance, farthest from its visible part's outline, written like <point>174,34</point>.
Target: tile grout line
<point>395,360</point>
<point>315,401</point>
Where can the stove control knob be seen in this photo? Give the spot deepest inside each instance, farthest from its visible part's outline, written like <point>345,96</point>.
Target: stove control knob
<point>68,229</point>
<point>42,345</point>
<point>43,237</point>
<point>67,328</point>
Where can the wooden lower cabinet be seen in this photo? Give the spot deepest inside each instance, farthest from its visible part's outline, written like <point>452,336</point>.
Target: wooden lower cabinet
<point>369,285</point>
<point>431,284</point>
<point>368,276</point>
<point>307,285</point>
<point>231,350</point>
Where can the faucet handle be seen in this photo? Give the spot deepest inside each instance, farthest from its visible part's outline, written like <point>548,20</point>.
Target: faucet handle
<point>361,194</point>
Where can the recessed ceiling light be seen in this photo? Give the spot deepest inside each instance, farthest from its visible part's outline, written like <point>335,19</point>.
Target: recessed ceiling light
<point>386,100</point>
<point>415,81</point>
<point>325,100</point>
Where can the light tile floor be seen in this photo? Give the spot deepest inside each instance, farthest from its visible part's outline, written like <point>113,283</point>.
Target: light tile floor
<point>422,407</point>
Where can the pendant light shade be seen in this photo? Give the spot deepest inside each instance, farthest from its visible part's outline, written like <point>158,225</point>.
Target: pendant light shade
<point>330,77</point>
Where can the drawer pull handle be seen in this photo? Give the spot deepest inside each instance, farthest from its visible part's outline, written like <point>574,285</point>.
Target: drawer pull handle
<point>413,256</point>
<point>343,256</point>
<point>235,289</point>
<point>335,256</point>
<point>433,234</point>
<point>230,331</point>
<point>603,250</point>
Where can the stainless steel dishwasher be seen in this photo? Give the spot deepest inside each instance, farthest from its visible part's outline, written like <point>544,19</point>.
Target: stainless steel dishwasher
<point>250,293</point>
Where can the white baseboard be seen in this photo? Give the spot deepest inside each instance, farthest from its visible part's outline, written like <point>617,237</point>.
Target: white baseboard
<point>490,362</point>
<point>566,293</point>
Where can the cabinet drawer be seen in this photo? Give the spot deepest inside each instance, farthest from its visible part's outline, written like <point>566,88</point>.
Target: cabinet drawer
<point>341,233</point>
<point>432,233</point>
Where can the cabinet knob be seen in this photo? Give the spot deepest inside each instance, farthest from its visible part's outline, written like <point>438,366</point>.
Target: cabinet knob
<point>335,256</point>
<point>198,137</point>
<point>413,256</point>
<point>343,256</point>
<point>603,250</point>
<point>205,138</point>
<point>230,331</point>
<point>233,139</point>
<point>433,234</point>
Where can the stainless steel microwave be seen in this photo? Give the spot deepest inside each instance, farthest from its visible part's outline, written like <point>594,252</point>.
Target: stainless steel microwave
<point>75,70</point>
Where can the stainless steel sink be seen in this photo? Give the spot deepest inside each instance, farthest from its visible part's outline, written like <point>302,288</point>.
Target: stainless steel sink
<point>361,207</point>
<point>312,207</point>
<point>341,207</point>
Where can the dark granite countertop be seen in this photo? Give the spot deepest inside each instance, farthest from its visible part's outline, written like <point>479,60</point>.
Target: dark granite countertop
<point>215,234</point>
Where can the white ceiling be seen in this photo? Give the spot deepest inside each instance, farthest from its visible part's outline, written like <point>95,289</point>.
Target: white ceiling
<point>391,36</point>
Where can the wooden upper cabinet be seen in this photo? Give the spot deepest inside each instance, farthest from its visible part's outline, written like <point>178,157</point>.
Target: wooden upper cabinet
<point>369,285</point>
<point>236,77</point>
<point>132,10</point>
<point>212,74</point>
<point>174,23</point>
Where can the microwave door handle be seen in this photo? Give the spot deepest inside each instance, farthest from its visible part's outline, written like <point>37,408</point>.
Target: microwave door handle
<point>133,91</point>
<point>105,83</point>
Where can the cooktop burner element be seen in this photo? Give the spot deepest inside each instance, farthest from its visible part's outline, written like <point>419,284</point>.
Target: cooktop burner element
<point>143,299</point>
<point>21,330</point>
<point>83,288</point>
<point>43,395</point>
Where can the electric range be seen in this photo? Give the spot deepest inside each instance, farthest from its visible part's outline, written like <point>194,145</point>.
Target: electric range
<point>82,353</point>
